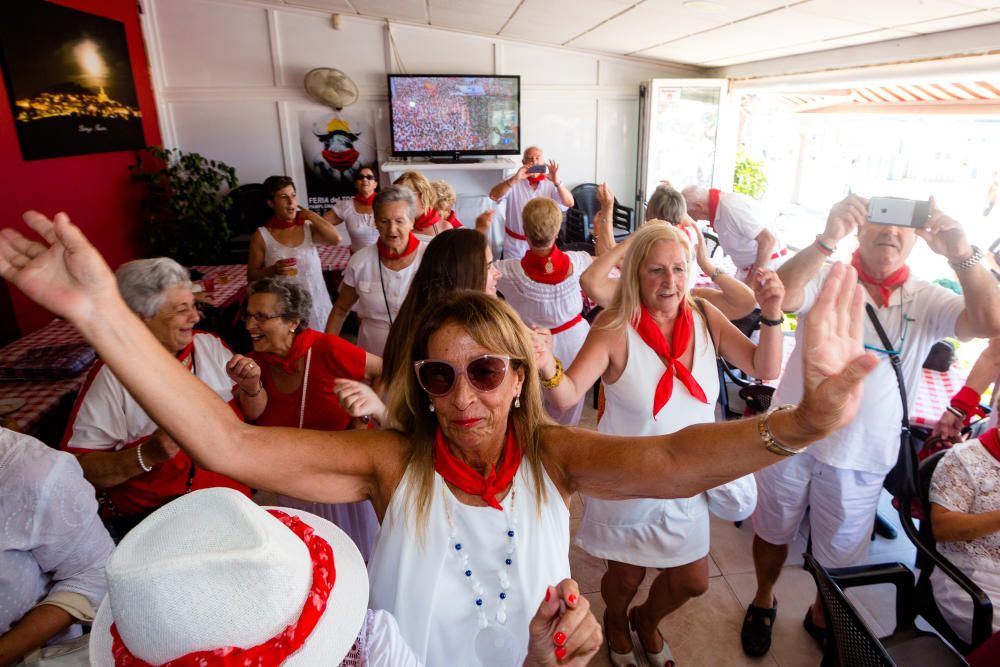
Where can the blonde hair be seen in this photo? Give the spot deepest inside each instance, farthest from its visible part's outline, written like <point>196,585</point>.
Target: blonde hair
<point>420,186</point>
<point>497,327</point>
<point>626,306</point>
<point>541,219</point>
<point>444,196</point>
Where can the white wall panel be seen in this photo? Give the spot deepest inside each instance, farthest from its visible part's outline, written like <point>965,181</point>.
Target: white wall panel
<point>244,135</point>
<point>548,66</point>
<point>623,73</point>
<point>427,51</point>
<point>617,143</point>
<point>305,42</point>
<point>213,45</point>
<point>565,130</point>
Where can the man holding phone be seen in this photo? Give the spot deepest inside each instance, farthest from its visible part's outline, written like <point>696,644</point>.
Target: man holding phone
<point>840,478</point>
<point>533,179</point>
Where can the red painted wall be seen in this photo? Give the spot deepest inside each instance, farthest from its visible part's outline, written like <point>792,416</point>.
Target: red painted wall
<point>94,190</point>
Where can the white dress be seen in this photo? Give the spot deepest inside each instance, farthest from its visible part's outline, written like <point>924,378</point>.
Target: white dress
<point>360,226</point>
<point>310,273</point>
<point>53,546</point>
<point>366,274</point>
<point>652,532</point>
<point>968,480</point>
<point>423,585</point>
<point>550,306</point>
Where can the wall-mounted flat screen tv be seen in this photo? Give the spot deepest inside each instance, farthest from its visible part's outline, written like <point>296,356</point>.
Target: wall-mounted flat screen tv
<point>454,115</point>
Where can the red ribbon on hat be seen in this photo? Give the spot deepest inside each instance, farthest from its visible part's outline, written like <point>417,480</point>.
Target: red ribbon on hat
<point>365,201</point>
<point>991,442</point>
<point>550,269</point>
<point>277,223</point>
<point>887,284</point>
<point>713,205</point>
<point>651,335</point>
<point>427,219</point>
<point>385,252</point>
<point>459,473</point>
<point>279,648</point>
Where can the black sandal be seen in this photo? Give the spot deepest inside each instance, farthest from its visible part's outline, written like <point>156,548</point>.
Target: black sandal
<point>757,627</point>
<point>819,635</point>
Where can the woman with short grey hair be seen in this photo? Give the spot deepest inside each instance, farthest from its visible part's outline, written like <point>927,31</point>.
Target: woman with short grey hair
<point>300,366</point>
<point>134,465</point>
<point>378,277</point>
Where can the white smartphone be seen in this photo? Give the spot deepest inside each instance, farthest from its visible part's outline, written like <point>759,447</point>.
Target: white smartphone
<point>898,211</point>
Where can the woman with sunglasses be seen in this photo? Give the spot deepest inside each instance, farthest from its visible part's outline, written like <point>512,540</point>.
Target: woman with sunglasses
<point>652,331</point>
<point>298,367</point>
<point>357,212</point>
<point>378,277</point>
<point>473,482</point>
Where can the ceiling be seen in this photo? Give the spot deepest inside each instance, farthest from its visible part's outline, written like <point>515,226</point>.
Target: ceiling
<point>705,33</point>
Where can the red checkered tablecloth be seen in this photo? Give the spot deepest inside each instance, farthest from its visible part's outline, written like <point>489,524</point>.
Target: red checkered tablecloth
<point>934,395</point>
<point>40,397</point>
<point>334,257</point>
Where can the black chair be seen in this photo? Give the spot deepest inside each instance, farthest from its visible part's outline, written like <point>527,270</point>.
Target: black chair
<point>852,643</point>
<point>576,227</point>
<point>622,221</point>
<point>711,242</point>
<point>585,199</point>
<point>929,558</point>
<point>248,211</point>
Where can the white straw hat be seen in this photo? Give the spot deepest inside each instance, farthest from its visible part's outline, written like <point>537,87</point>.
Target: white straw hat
<point>212,570</point>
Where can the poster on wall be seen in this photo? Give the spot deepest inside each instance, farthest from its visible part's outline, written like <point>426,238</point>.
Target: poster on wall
<point>69,81</point>
<point>335,145</point>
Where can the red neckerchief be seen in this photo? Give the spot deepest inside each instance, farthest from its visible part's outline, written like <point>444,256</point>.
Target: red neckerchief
<point>427,219</point>
<point>341,160</point>
<point>453,220</point>
<point>277,223</point>
<point>385,252</point>
<point>185,354</point>
<point>991,442</point>
<point>713,205</point>
<point>885,286</point>
<point>551,269</point>
<point>460,474</point>
<point>279,648</point>
<point>365,201</point>
<point>535,179</point>
<point>303,340</point>
<point>651,335</point>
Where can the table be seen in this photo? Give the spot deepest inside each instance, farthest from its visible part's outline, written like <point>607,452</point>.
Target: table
<point>45,400</point>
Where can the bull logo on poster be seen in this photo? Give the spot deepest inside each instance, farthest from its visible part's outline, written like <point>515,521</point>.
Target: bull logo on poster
<point>334,148</point>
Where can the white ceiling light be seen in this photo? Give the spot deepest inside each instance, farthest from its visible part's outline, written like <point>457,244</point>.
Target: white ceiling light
<point>704,5</point>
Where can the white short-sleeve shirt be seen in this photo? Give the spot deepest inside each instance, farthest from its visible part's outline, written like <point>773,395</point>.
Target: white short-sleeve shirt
<point>918,315</point>
<point>737,223</point>
<point>360,226</point>
<point>516,199</point>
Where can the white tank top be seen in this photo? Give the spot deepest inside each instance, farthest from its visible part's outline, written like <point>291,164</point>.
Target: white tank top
<point>310,273</point>
<point>424,586</point>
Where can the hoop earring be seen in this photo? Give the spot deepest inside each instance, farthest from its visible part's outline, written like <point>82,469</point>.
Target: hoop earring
<point>517,402</point>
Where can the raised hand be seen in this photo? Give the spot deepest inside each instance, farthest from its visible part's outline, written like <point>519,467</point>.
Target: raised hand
<point>563,631</point>
<point>944,235</point>
<point>484,220</point>
<point>553,171</point>
<point>605,196</point>
<point>359,400</point>
<point>541,341</point>
<point>769,292</point>
<point>244,372</point>
<point>521,173</point>
<point>834,362</point>
<point>846,216</point>
<point>65,273</point>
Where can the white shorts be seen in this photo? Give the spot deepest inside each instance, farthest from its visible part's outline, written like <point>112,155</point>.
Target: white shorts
<point>842,505</point>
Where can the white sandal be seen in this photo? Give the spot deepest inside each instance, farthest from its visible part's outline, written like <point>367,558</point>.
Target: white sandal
<point>663,657</point>
<point>619,659</point>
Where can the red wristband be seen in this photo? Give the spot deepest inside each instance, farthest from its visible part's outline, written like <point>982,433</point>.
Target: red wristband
<point>967,400</point>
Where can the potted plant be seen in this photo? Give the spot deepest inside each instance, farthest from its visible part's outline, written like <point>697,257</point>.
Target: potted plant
<point>184,203</point>
<point>748,176</point>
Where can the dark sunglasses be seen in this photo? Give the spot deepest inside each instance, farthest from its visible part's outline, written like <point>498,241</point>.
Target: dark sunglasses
<point>365,177</point>
<point>484,373</point>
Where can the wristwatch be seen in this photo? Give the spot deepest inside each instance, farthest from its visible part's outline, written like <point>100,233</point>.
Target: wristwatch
<point>969,262</point>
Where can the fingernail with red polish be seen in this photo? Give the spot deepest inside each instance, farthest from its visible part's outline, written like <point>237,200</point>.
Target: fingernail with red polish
<point>548,594</point>
<point>571,599</point>
<point>560,653</point>
<point>559,638</point>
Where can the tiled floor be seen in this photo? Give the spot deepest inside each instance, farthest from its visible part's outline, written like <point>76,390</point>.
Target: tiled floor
<point>705,632</point>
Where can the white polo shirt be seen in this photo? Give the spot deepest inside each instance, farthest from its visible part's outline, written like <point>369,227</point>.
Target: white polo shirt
<point>919,314</point>
<point>516,199</point>
<point>737,225</point>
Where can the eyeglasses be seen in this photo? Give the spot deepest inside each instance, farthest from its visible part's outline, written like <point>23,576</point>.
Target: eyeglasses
<point>484,373</point>
<point>259,318</point>
<point>365,177</point>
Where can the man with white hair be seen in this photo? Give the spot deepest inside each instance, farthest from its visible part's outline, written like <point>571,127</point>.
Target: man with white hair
<point>521,188</point>
<point>734,219</point>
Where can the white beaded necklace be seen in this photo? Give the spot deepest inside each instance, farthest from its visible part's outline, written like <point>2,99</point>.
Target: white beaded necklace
<point>494,644</point>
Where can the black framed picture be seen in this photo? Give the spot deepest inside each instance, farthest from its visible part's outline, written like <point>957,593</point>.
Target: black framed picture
<point>69,81</point>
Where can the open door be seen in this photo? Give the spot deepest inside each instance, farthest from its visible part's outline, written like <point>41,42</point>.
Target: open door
<point>686,136</point>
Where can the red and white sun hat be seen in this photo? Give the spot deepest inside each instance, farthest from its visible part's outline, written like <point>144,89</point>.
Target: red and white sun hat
<point>213,579</point>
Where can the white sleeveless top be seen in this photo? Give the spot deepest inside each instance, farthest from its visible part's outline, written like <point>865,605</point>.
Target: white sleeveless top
<point>360,226</point>
<point>651,532</point>
<point>550,306</point>
<point>310,273</point>
<point>423,583</point>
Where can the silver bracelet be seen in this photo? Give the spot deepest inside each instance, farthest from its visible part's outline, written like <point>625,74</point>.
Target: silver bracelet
<point>260,388</point>
<point>771,443</point>
<point>138,456</point>
<point>969,262</point>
